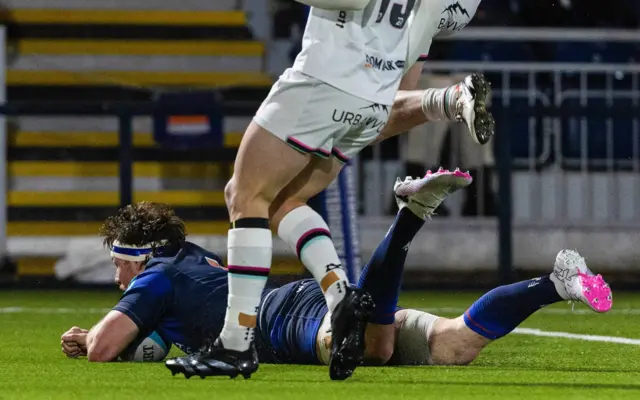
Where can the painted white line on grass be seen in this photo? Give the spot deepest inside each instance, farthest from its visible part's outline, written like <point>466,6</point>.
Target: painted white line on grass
<point>549,311</point>
<point>575,336</point>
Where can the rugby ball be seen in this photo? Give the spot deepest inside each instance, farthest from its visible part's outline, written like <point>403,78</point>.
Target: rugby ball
<point>150,349</point>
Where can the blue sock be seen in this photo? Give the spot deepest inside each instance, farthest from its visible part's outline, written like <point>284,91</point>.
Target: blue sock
<point>382,276</point>
<point>501,310</point>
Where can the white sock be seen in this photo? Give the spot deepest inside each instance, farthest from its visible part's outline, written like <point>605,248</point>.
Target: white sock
<point>307,233</point>
<point>249,259</point>
<point>440,104</point>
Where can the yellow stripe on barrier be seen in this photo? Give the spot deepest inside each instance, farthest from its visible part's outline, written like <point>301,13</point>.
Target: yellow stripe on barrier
<point>36,266</point>
<point>140,47</point>
<point>108,199</point>
<point>137,78</point>
<point>123,17</point>
<point>79,169</point>
<point>86,228</point>
<point>94,139</point>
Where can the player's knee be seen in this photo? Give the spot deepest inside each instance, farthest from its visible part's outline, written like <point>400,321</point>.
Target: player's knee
<point>379,343</point>
<point>233,198</point>
<point>245,199</point>
<point>380,354</point>
<point>230,192</point>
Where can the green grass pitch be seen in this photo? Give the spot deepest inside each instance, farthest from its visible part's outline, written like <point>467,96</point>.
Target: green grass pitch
<point>516,367</point>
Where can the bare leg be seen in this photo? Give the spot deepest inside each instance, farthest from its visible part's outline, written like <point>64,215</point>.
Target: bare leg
<point>315,178</point>
<point>264,165</point>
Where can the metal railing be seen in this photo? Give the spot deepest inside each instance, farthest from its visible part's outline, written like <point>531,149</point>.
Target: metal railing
<point>551,98</point>
<point>125,112</point>
<point>562,142</point>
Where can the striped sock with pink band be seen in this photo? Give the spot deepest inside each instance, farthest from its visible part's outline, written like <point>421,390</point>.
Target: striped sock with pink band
<point>249,248</point>
<point>307,233</point>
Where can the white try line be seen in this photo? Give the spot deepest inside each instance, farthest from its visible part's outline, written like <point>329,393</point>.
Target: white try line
<point>576,336</point>
<point>549,311</point>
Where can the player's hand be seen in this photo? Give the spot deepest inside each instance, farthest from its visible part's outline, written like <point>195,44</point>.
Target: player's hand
<point>74,342</point>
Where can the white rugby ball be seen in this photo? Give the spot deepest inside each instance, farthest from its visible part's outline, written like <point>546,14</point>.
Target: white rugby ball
<point>151,349</point>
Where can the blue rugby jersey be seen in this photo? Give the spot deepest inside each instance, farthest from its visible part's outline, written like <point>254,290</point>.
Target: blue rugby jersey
<point>183,298</point>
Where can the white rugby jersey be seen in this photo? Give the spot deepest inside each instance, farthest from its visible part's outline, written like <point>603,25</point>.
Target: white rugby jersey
<point>359,52</point>
<point>437,18</point>
<point>364,52</point>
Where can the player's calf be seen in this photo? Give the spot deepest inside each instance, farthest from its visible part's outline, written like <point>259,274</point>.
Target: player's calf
<point>426,339</point>
<point>451,342</point>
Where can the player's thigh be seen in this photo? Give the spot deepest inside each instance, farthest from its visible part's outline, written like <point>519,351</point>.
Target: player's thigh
<point>293,124</point>
<point>451,342</point>
<point>264,164</point>
<point>313,179</point>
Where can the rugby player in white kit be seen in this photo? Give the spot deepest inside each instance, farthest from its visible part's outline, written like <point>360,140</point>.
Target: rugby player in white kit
<point>340,95</point>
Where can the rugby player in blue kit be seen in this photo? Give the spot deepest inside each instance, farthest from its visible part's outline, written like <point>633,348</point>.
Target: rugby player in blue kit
<point>179,290</point>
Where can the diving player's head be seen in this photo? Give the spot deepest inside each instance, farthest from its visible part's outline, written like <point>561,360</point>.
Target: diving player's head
<point>139,232</point>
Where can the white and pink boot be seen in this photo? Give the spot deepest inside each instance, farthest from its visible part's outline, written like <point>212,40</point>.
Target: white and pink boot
<point>575,282</point>
<point>424,195</point>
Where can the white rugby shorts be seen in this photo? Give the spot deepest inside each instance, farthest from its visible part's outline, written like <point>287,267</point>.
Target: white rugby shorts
<point>316,118</point>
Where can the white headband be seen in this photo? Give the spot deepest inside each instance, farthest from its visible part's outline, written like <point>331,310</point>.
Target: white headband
<point>133,253</point>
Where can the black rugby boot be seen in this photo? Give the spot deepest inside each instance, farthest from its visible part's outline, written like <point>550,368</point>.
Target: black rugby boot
<point>215,360</point>
<point>348,323</point>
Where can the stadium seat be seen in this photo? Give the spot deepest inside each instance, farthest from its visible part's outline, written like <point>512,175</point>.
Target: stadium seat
<point>468,51</point>
<point>64,171</point>
<point>604,148</point>
<point>618,53</point>
<point>584,52</point>
<point>490,51</point>
<point>514,122</point>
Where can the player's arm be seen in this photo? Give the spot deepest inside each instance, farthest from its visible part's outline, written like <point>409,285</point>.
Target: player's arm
<point>110,337</point>
<point>336,5</point>
<point>407,106</point>
<point>139,311</point>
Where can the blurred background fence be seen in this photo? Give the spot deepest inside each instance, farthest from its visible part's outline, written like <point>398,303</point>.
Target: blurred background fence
<point>93,90</point>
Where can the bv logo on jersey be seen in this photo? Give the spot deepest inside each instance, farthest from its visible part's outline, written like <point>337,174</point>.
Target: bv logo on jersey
<point>214,263</point>
<point>381,64</point>
<point>457,18</point>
